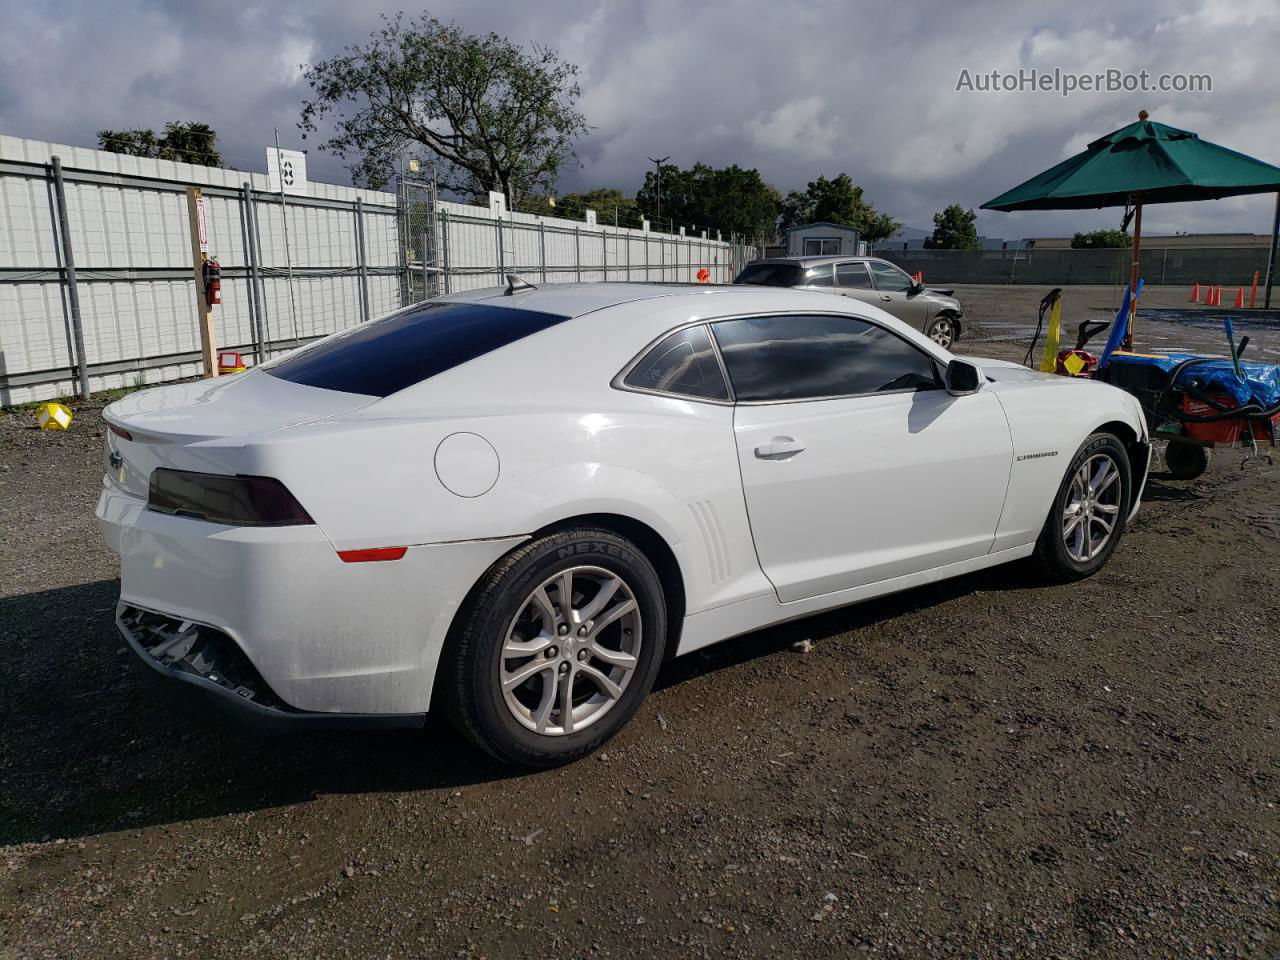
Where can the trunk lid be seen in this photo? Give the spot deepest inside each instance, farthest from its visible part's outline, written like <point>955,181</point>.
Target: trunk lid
<point>203,425</point>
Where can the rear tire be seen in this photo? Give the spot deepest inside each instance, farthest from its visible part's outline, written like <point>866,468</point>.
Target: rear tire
<point>1089,511</point>
<point>535,686</point>
<point>1186,461</point>
<point>942,331</point>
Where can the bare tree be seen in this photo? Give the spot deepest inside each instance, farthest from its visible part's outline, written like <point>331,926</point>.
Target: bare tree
<point>499,116</point>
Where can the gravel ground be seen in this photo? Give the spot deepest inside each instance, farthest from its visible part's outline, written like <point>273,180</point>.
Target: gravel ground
<point>987,767</point>
<point>1166,321</point>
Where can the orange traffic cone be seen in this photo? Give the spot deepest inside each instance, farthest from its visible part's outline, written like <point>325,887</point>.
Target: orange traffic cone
<point>1240,298</point>
<point>1195,294</point>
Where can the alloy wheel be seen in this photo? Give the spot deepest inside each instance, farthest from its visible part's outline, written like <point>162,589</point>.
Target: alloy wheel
<point>1092,509</point>
<point>942,332</point>
<point>570,651</point>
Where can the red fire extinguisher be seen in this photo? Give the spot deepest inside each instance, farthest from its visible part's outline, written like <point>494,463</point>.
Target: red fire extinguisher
<point>212,282</point>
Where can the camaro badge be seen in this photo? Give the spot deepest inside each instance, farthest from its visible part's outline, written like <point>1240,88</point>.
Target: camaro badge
<point>1037,456</point>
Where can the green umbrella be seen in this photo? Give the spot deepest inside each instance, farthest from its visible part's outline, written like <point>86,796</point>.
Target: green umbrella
<point>1145,162</point>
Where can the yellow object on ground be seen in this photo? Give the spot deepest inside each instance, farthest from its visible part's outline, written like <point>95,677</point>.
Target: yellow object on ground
<point>53,416</point>
<point>1049,362</point>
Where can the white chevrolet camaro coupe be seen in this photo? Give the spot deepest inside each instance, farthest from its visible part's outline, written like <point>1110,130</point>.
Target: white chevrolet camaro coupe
<point>513,505</point>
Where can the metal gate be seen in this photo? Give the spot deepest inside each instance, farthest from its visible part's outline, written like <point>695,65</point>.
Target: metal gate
<point>424,272</point>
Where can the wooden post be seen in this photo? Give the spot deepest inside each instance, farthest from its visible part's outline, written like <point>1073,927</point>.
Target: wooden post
<point>1133,275</point>
<point>204,312</point>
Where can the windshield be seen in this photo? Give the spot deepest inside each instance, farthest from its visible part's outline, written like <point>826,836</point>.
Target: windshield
<point>771,275</point>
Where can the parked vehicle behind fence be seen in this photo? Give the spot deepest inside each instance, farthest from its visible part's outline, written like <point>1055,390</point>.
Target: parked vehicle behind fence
<point>936,313</point>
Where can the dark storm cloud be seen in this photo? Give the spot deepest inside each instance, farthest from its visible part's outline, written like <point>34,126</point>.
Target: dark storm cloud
<point>796,90</point>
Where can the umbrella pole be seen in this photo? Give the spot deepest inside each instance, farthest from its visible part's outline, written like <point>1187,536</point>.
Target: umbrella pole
<point>1271,255</point>
<point>1133,276</point>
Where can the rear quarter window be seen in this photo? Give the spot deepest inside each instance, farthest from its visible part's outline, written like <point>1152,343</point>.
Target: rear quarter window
<point>684,364</point>
<point>383,357</point>
<point>771,275</point>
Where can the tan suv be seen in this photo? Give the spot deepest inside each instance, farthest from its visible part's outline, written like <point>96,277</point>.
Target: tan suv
<point>936,312</point>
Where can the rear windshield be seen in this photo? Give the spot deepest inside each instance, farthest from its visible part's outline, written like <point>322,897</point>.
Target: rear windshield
<point>771,275</point>
<point>387,355</point>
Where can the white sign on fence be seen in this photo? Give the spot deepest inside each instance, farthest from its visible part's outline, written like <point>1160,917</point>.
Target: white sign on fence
<point>497,203</point>
<point>202,223</point>
<point>287,169</point>
<point>591,218</point>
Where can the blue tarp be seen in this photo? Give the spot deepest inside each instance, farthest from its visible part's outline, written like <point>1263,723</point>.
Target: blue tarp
<point>1261,384</point>
<point>1119,327</point>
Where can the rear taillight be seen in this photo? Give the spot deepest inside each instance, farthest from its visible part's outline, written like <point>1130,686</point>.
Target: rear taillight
<point>238,501</point>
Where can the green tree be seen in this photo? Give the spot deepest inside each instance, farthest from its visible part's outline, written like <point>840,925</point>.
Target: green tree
<point>836,200</point>
<point>500,117</point>
<point>603,200</point>
<point>574,206</point>
<point>1100,239</point>
<point>953,229</point>
<point>184,142</point>
<point>731,199</point>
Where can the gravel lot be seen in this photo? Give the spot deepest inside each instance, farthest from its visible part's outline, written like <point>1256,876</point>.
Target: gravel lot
<point>988,767</point>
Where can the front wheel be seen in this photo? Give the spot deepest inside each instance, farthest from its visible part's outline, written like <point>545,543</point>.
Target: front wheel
<point>1089,511</point>
<point>556,648</point>
<point>942,331</point>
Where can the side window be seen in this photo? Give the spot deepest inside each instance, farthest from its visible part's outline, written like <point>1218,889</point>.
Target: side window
<point>819,276</point>
<point>889,278</point>
<point>852,275</point>
<point>684,364</point>
<point>807,357</point>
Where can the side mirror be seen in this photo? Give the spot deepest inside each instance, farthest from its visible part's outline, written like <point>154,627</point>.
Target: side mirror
<point>962,378</point>
<point>916,288</point>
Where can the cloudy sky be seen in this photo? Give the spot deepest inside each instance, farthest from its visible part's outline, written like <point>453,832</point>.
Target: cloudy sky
<point>795,90</point>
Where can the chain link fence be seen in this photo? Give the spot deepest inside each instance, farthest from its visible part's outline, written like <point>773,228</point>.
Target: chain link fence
<point>1229,266</point>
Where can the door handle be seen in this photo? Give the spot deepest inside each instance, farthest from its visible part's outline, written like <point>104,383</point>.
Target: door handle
<point>779,448</point>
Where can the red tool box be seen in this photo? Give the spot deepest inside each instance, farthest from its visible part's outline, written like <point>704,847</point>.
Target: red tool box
<point>1222,431</point>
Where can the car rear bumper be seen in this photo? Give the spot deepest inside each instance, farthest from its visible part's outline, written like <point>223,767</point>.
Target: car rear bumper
<point>323,636</point>
<point>198,669</point>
